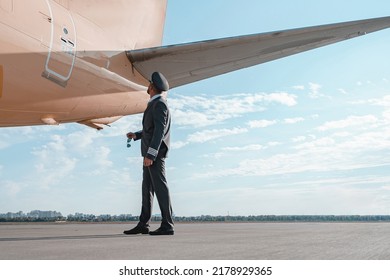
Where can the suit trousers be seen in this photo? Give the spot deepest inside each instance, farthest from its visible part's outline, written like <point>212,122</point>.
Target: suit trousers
<point>154,182</point>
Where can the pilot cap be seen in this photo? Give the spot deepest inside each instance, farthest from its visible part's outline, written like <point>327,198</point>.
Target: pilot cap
<point>159,81</point>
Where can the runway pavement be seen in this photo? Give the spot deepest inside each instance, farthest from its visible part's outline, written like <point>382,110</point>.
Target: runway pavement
<point>197,241</point>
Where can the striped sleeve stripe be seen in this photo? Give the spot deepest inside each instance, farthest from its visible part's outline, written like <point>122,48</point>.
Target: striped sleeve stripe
<point>152,152</point>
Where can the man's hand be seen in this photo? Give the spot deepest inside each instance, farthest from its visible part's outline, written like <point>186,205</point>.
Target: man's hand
<point>148,162</point>
<point>131,135</point>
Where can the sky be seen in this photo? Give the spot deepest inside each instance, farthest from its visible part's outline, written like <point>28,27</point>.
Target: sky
<point>304,135</point>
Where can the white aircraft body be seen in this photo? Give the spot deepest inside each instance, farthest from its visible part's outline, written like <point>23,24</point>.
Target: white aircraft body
<point>89,61</point>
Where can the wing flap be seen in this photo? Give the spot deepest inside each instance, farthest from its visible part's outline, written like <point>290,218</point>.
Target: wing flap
<point>187,63</point>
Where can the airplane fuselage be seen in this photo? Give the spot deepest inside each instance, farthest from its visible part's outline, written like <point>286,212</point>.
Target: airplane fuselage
<point>57,66</point>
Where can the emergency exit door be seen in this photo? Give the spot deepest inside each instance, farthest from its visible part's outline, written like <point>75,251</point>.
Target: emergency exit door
<point>62,46</point>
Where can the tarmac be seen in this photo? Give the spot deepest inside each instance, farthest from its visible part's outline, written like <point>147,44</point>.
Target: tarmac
<point>197,241</point>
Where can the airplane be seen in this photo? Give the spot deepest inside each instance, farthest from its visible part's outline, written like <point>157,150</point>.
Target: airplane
<point>64,61</point>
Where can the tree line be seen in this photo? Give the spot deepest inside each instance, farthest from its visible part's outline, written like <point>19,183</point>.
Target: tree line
<point>206,218</point>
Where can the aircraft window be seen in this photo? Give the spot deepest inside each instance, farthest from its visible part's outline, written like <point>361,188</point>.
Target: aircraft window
<point>65,31</point>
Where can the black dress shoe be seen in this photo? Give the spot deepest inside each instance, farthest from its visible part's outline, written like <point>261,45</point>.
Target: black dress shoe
<point>162,231</point>
<point>137,230</point>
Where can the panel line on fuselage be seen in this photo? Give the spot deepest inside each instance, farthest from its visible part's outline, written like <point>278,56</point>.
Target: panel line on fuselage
<point>1,80</point>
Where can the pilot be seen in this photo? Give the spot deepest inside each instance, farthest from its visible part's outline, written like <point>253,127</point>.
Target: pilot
<point>155,139</point>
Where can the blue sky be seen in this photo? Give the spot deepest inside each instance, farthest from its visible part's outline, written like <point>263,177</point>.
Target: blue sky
<point>307,134</point>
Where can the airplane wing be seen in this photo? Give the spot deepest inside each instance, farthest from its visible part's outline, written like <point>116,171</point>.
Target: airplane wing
<point>187,63</point>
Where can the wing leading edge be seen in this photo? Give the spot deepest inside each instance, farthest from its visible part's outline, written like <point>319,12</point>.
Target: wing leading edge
<point>187,63</point>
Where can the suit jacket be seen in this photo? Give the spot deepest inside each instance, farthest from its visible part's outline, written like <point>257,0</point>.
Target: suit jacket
<point>155,133</point>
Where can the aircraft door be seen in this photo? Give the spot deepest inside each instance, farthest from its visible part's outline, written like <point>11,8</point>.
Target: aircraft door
<point>62,46</point>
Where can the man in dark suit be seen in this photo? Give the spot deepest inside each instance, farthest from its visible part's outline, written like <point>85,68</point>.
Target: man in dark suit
<point>155,139</point>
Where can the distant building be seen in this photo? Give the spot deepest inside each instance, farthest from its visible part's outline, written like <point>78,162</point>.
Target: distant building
<point>44,214</point>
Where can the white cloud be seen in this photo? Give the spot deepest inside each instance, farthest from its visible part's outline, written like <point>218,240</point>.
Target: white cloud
<point>54,162</point>
<point>12,188</point>
<point>273,143</point>
<point>299,87</point>
<point>135,161</point>
<point>53,171</point>
<point>318,157</point>
<point>341,134</point>
<point>102,157</point>
<point>10,136</point>
<point>283,98</point>
<point>82,139</point>
<point>4,144</point>
<point>342,91</point>
<point>386,116</point>
<point>261,123</point>
<point>332,196</point>
<point>201,111</point>
<point>212,156</point>
<point>212,134</point>
<point>348,149</point>
<point>58,144</point>
<point>293,120</point>
<point>384,101</point>
<point>198,119</point>
<point>178,144</point>
<point>315,90</point>
<point>298,139</point>
<point>244,148</point>
<point>123,178</point>
<point>350,121</point>
<point>317,143</point>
